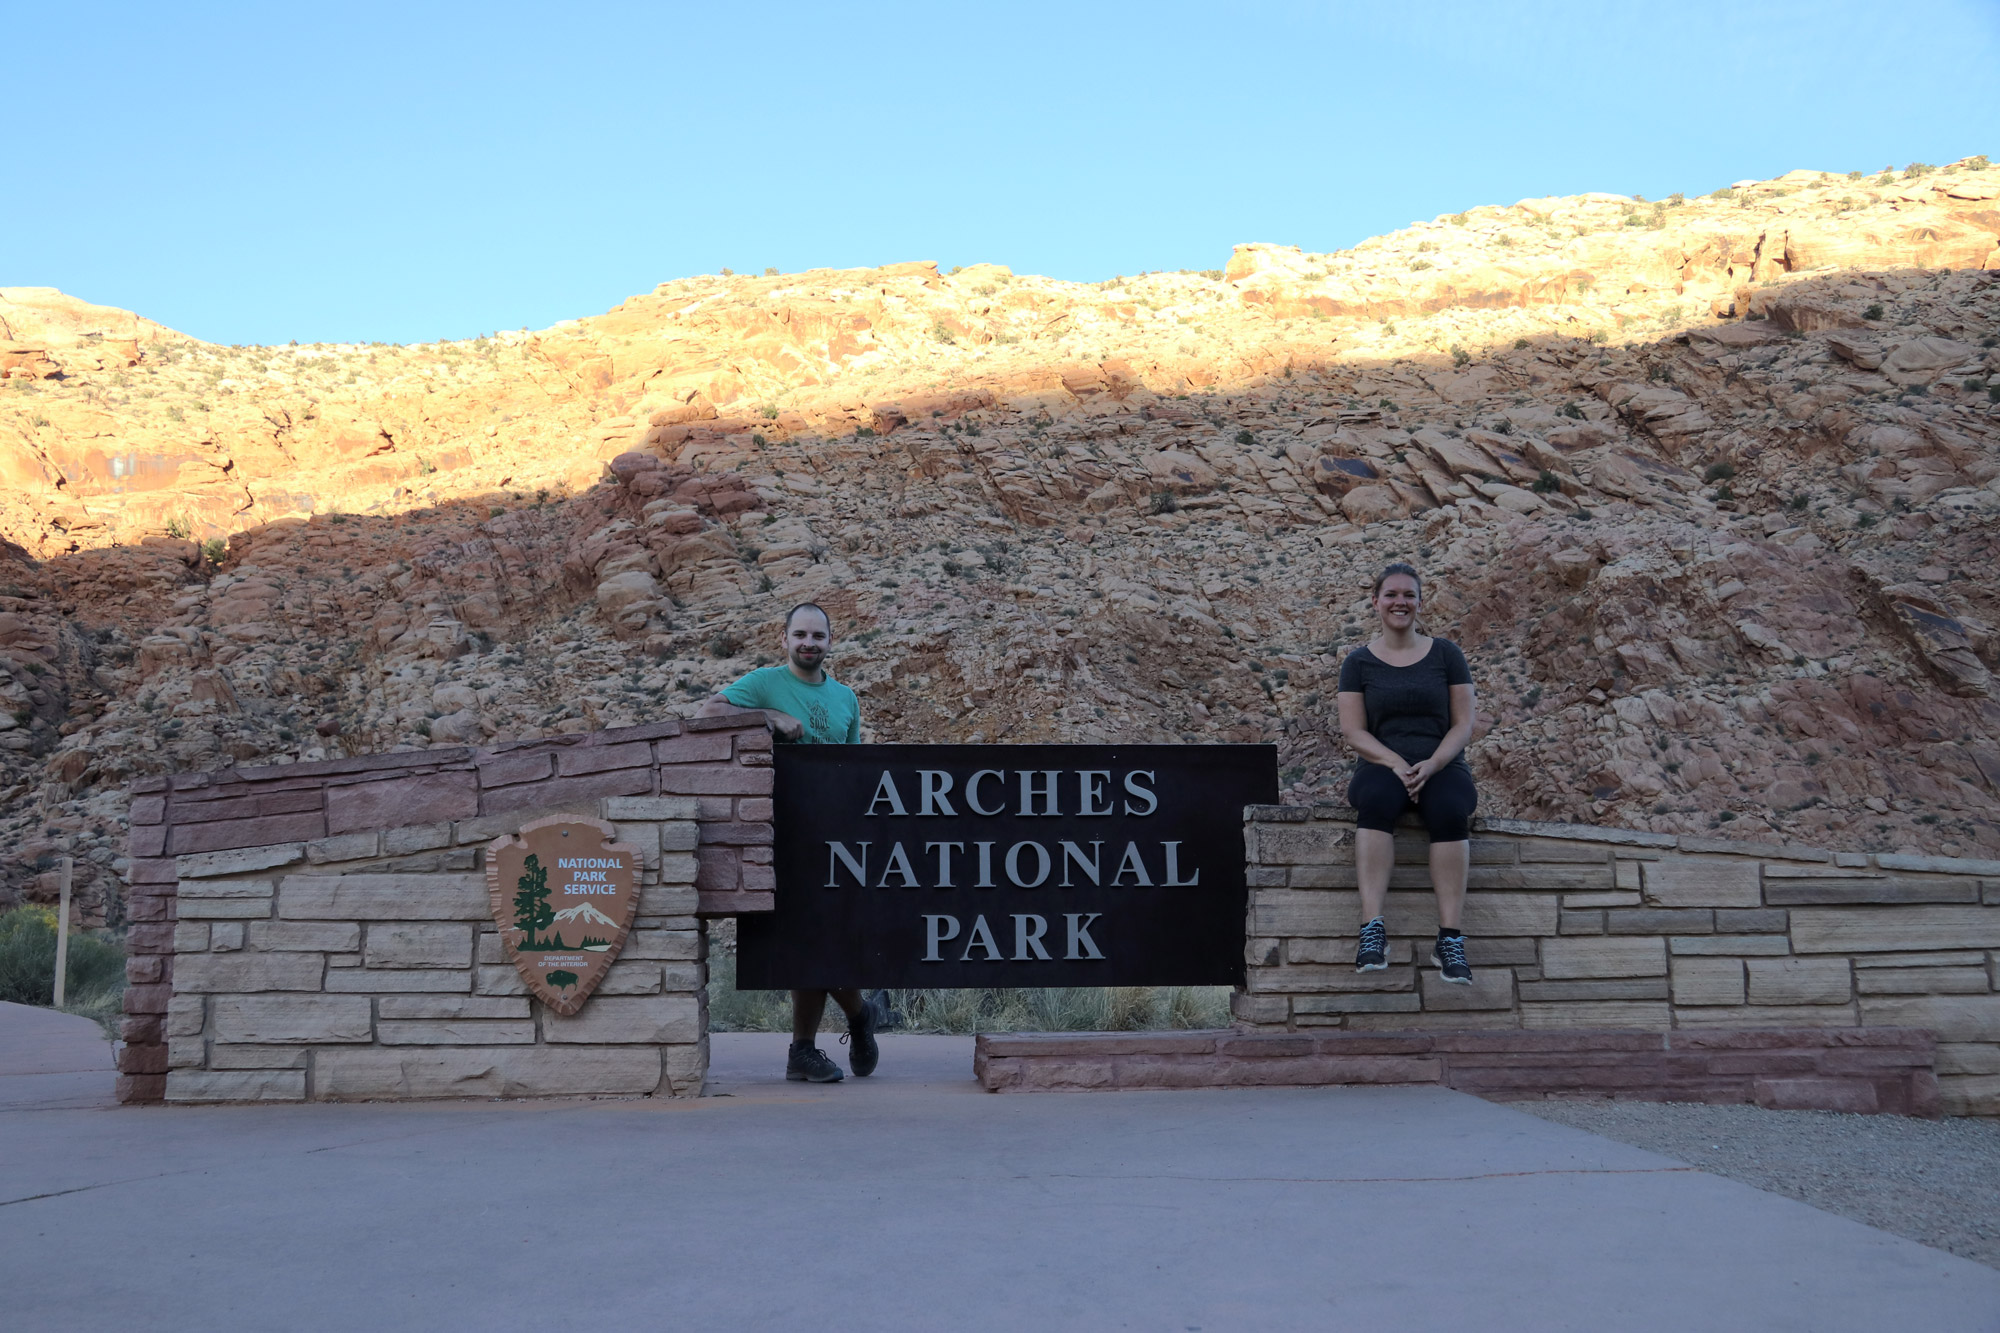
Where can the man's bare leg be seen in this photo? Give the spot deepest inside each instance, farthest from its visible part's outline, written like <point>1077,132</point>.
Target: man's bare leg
<point>809,1006</point>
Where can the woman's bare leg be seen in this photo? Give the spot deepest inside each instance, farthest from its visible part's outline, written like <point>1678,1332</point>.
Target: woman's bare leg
<point>1451,862</point>
<point>1374,858</point>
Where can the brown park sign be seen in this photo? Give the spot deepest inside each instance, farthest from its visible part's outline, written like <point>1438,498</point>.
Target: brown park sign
<point>564,895</point>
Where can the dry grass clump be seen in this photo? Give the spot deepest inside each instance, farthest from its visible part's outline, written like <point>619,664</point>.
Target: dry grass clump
<point>1002,1009</point>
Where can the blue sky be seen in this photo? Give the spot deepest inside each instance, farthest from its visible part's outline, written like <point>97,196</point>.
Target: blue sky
<point>259,173</point>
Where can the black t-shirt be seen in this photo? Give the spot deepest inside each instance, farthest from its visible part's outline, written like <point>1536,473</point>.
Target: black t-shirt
<point>1409,708</point>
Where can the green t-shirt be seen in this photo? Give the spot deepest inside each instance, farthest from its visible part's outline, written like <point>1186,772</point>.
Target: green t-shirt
<point>829,711</point>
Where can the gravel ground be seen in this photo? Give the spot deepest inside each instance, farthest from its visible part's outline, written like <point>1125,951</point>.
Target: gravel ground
<point>1936,1182</point>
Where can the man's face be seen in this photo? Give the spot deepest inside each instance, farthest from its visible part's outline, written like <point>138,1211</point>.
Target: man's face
<point>806,640</point>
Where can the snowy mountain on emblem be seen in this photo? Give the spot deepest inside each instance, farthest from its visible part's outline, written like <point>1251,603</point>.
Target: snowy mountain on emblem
<point>585,914</point>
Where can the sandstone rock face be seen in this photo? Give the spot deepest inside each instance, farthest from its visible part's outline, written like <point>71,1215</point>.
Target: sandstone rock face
<point>1705,488</point>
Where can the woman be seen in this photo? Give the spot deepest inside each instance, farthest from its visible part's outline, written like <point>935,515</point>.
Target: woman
<point>1406,707</point>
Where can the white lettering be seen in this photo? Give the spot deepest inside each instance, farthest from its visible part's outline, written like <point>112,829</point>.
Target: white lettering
<point>985,865</point>
<point>1079,936</point>
<point>1174,880</point>
<point>1092,781</point>
<point>838,855</point>
<point>1145,793</point>
<point>1073,853</point>
<point>972,792</point>
<point>980,938</point>
<point>1132,864</point>
<point>1026,939</point>
<point>885,790</point>
<point>932,788</point>
<point>938,929</point>
<point>899,864</point>
<point>1045,793</point>
<point>1014,865</point>
<point>944,851</point>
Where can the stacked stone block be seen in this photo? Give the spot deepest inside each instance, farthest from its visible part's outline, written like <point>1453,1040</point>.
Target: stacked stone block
<point>377,814</point>
<point>367,965</point>
<point>1871,1071</point>
<point>1586,929</point>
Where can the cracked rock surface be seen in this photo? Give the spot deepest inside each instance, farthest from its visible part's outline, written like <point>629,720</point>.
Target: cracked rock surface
<point>1705,488</point>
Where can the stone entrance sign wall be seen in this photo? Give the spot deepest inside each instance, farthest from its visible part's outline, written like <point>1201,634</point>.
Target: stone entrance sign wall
<point>324,931</point>
<point>1576,929</point>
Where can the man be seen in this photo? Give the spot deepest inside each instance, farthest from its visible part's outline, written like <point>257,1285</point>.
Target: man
<point>801,703</point>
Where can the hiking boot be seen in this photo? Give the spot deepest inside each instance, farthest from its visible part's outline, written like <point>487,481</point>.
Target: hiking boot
<point>862,1052</point>
<point>1448,956</point>
<point>1372,954</point>
<point>807,1063</point>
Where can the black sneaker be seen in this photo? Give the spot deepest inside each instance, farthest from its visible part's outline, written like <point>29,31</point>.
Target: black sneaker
<point>1448,956</point>
<point>1372,954</point>
<point>862,1052</point>
<point>808,1064</point>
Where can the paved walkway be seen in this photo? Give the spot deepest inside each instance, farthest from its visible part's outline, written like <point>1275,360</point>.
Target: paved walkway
<point>912,1200</point>
<point>50,1059</point>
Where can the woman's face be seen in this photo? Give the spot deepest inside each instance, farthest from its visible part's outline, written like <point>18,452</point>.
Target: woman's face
<point>1398,601</point>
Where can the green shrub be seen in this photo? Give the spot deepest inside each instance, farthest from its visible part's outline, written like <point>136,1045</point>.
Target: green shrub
<point>1720,471</point>
<point>1872,312</point>
<point>1547,482</point>
<point>96,982</point>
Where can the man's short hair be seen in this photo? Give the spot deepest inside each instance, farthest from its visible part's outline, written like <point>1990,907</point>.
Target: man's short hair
<point>808,606</point>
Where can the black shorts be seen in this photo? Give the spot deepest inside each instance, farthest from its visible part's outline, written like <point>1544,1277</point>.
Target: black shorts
<point>1445,804</point>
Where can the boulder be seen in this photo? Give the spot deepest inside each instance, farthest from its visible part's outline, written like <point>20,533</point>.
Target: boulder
<point>1923,360</point>
<point>1371,504</point>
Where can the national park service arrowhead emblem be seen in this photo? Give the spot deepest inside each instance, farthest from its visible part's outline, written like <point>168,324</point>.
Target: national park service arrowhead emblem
<point>564,895</point>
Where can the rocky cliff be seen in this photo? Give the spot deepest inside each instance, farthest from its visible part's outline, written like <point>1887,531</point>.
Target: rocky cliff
<point>1705,487</point>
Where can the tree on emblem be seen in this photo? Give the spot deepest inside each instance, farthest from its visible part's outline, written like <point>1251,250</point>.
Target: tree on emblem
<point>531,901</point>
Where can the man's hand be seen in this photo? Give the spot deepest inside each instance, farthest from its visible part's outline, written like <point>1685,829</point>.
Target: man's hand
<point>783,725</point>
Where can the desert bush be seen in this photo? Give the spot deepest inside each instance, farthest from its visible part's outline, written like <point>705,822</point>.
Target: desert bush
<point>1872,312</point>
<point>96,981</point>
<point>967,1011</point>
